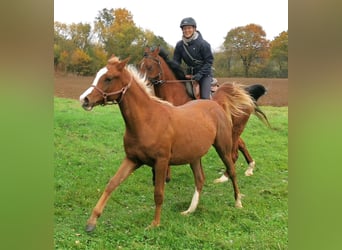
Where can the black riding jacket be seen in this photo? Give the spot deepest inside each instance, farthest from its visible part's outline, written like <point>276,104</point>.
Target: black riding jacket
<point>200,50</point>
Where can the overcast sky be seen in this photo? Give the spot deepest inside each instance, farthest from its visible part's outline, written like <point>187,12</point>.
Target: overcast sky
<point>215,18</point>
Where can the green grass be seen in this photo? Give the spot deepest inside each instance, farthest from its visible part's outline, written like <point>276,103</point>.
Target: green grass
<point>89,150</point>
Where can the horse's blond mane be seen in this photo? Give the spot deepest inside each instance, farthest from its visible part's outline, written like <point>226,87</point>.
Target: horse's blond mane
<point>143,83</point>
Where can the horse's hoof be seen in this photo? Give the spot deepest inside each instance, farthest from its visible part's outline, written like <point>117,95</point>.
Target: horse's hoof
<point>168,179</point>
<point>249,172</point>
<point>185,213</point>
<point>222,179</point>
<point>238,205</point>
<point>152,226</point>
<point>89,228</point>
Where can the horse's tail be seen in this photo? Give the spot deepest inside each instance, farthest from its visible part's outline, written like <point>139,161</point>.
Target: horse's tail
<point>261,115</point>
<point>256,91</point>
<point>235,100</point>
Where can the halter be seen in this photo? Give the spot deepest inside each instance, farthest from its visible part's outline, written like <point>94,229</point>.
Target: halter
<point>105,95</point>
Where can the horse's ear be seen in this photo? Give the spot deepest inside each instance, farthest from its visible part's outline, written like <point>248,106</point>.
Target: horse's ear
<point>156,51</point>
<point>112,60</point>
<point>123,63</point>
<point>146,51</point>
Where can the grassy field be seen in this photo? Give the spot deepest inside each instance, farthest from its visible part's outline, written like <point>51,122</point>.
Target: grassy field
<point>88,151</point>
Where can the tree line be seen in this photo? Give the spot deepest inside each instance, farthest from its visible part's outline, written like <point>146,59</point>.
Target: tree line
<point>82,50</point>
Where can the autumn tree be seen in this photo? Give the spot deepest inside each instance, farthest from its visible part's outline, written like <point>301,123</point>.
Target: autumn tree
<point>114,33</point>
<point>279,52</point>
<point>117,32</point>
<point>103,23</point>
<point>80,35</point>
<point>62,46</point>
<point>249,43</point>
<point>98,57</point>
<point>152,40</point>
<point>80,62</point>
<point>221,65</point>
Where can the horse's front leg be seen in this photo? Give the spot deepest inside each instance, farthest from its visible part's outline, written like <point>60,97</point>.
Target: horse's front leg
<point>126,168</point>
<point>160,175</point>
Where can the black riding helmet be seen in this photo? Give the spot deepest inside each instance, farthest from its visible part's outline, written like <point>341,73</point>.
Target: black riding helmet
<point>188,21</point>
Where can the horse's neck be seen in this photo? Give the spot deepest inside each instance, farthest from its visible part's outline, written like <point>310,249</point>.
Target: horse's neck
<point>136,107</point>
<point>172,90</point>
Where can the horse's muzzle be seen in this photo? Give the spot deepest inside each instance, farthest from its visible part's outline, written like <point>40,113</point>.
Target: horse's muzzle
<point>86,105</point>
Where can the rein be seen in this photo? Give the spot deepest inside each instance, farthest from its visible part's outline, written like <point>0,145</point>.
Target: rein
<point>105,95</point>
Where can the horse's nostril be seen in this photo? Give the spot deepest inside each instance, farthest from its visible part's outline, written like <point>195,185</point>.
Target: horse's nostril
<point>86,105</point>
<point>85,101</point>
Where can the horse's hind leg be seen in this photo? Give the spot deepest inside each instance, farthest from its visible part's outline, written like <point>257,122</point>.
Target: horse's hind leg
<point>225,177</point>
<point>234,155</point>
<point>230,166</point>
<point>251,163</point>
<point>248,157</point>
<point>197,170</point>
<point>230,171</point>
<point>126,168</point>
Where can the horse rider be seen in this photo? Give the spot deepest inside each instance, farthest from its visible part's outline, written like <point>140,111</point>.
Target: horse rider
<point>197,55</point>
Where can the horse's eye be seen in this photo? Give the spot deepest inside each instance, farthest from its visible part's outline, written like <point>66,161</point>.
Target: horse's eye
<point>107,80</point>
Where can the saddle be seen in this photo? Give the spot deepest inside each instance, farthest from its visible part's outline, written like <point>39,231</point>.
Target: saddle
<point>193,88</point>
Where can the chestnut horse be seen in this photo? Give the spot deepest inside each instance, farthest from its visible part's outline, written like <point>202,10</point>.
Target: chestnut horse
<point>168,80</point>
<point>159,134</point>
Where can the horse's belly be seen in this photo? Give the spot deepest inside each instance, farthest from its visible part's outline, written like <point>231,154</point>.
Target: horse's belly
<point>188,153</point>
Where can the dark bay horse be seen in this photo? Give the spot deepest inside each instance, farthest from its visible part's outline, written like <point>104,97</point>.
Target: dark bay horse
<point>159,134</point>
<point>169,83</point>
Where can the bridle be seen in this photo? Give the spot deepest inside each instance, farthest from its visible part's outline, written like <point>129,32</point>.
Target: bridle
<point>157,80</point>
<point>105,95</point>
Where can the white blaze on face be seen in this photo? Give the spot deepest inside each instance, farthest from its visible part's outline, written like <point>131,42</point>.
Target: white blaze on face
<point>98,75</point>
